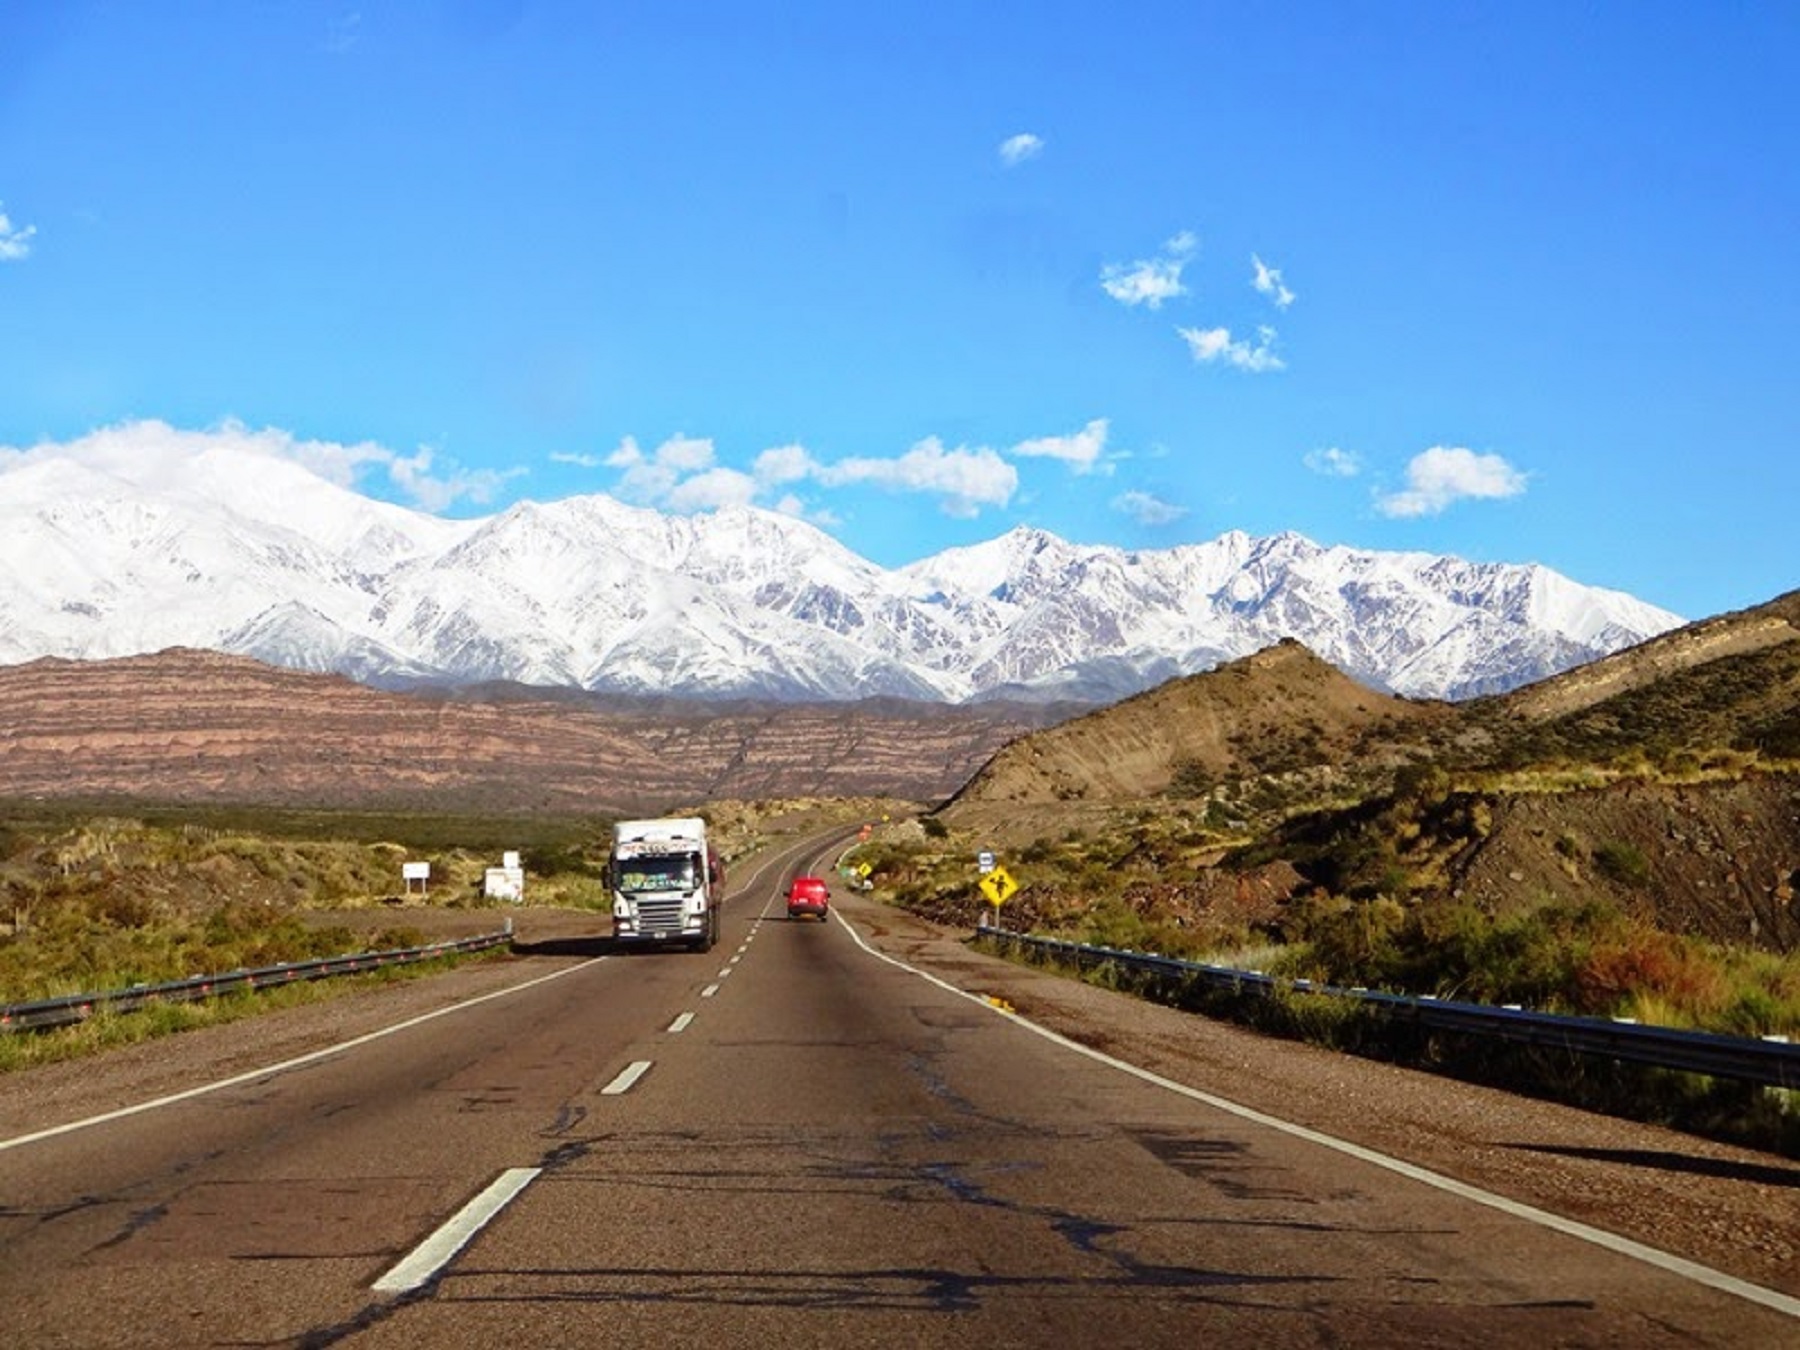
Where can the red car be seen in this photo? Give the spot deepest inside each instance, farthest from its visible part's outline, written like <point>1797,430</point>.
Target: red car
<point>808,895</point>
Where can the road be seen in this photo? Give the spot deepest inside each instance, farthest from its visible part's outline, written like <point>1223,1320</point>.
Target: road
<point>795,1140</point>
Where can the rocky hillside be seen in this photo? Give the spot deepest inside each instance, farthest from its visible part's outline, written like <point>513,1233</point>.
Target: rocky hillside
<point>1719,858</point>
<point>1663,781</point>
<point>199,726</point>
<point>1732,682</point>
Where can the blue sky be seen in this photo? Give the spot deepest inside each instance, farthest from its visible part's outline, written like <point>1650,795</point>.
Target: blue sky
<point>1512,281</point>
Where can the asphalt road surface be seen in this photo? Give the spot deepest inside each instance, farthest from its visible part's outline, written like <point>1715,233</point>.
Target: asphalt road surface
<point>794,1140</point>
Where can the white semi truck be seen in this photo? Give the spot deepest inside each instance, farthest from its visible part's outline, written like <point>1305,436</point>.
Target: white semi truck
<point>666,882</point>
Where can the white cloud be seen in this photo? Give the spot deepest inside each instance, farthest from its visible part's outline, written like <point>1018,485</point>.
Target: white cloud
<point>1080,451</point>
<point>651,478</point>
<point>712,488</point>
<point>1150,281</point>
<point>15,240</point>
<point>1215,344</point>
<point>1267,281</point>
<point>579,461</point>
<point>1146,509</point>
<point>967,480</point>
<point>1017,149</point>
<point>681,474</point>
<point>152,452</point>
<point>1445,474</point>
<point>784,464</point>
<point>436,492</point>
<point>1333,462</point>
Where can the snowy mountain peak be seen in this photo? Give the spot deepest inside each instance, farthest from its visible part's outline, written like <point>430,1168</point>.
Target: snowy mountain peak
<point>246,550</point>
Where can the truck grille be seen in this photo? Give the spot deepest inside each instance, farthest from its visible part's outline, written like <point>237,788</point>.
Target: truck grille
<point>659,916</point>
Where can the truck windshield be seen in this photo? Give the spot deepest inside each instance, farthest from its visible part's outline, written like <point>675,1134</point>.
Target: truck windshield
<point>674,873</point>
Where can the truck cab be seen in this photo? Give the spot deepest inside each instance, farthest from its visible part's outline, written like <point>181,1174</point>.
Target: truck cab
<point>666,883</point>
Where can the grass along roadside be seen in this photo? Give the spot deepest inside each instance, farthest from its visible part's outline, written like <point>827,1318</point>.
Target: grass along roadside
<point>107,1029</point>
<point>93,898</point>
<point>1739,1113</point>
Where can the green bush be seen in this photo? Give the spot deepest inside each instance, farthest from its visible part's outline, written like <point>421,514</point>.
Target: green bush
<point>1624,863</point>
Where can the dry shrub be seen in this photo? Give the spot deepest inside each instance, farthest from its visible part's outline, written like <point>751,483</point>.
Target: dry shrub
<point>1646,961</point>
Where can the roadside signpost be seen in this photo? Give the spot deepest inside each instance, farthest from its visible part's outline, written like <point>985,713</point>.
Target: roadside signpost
<point>998,886</point>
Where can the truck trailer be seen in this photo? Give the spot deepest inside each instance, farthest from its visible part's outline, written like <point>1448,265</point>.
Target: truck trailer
<point>666,882</point>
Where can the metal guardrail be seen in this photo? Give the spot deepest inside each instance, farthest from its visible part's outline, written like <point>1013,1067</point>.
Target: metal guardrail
<point>1770,1062</point>
<point>71,1008</point>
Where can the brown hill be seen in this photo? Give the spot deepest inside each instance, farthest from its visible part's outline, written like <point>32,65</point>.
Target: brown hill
<point>200,726</point>
<point>1272,712</point>
<point>1731,682</point>
<point>1663,781</point>
<point>1742,633</point>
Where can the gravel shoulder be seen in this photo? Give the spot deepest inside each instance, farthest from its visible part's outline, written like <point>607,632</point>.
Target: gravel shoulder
<point>1733,1209</point>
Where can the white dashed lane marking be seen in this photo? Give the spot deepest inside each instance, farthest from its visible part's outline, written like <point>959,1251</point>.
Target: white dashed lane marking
<point>627,1078</point>
<point>436,1251</point>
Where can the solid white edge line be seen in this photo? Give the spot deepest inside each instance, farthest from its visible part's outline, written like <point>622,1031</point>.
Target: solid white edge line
<point>681,1023</point>
<point>297,1062</point>
<point>627,1078</point>
<point>1677,1265</point>
<point>437,1251</point>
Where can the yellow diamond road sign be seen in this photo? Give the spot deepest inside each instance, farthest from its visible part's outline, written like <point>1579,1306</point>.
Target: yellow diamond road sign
<point>998,886</point>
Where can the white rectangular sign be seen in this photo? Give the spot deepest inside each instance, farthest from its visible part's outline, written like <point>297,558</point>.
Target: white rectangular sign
<point>416,871</point>
<point>504,883</point>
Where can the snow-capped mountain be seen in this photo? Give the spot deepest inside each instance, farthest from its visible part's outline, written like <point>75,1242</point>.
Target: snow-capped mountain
<point>113,555</point>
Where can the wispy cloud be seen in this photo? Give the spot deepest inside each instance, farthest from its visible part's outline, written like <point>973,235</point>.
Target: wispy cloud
<point>712,488</point>
<point>1442,475</point>
<point>1267,281</point>
<point>1333,462</point>
<point>15,240</point>
<point>682,474</point>
<point>437,491</point>
<point>579,461</point>
<point>1146,509</point>
<point>964,479</point>
<point>343,32</point>
<point>1210,345</point>
<point>1015,150</point>
<point>1150,281</point>
<point>1081,451</point>
<point>650,477</point>
<point>785,464</point>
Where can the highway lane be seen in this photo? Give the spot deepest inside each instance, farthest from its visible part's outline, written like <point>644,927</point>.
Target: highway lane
<point>822,1149</point>
<point>255,1213</point>
<point>839,1152</point>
